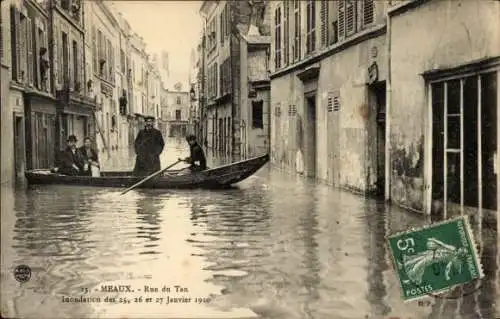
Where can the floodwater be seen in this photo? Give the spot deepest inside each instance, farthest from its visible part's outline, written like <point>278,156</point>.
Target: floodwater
<point>277,246</point>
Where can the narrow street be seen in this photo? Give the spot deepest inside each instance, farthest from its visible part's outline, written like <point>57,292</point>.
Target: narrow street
<point>275,247</point>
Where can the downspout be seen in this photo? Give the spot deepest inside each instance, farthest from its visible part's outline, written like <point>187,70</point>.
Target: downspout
<point>388,166</point>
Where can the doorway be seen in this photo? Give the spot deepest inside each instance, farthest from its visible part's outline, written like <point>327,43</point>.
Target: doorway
<point>378,92</point>
<point>310,138</point>
<point>19,165</point>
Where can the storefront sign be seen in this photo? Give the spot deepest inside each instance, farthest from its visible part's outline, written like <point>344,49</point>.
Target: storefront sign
<point>106,89</point>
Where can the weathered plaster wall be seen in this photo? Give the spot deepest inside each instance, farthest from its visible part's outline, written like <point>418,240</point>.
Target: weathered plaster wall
<point>438,34</point>
<point>342,138</point>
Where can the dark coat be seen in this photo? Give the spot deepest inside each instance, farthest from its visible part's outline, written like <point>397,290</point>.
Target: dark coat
<point>89,155</point>
<point>67,158</point>
<point>196,154</point>
<point>148,147</point>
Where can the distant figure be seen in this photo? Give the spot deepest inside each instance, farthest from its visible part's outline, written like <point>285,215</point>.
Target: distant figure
<point>196,157</point>
<point>70,161</point>
<point>149,144</point>
<point>90,157</point>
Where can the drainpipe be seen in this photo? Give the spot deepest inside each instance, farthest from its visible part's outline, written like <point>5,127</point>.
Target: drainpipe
<point>388,166</point>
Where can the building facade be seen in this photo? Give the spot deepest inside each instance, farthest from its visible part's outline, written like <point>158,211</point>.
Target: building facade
<point>224,21</point>
<point>139,89</point>
<point>355,104</point>
<point>104,34</point>
<point>444,106</point>
<point>178,107</point>
<point>123,79</point>
<point>327,115</point>
<point>75,114</point>
<point>255,97</point>
<point>8,108</point>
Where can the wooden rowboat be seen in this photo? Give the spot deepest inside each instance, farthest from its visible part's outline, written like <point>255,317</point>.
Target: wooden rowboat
<point>218,177</point>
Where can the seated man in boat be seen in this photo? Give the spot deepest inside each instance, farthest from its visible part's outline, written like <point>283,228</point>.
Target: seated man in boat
<point>196,157</point>
<point>70,161</point>
<point>90,157</point>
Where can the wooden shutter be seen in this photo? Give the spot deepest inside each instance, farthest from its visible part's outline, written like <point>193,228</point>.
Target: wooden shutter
<point>368,10</point>
<point>324,22</point>
<point>350,17</point>
<point>23,48</point>
<point>15,50</point>
<point>30,56</point>
<point>341,19</point>
<point>95,56</point>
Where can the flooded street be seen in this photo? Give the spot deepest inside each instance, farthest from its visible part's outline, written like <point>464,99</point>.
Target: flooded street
<point>275,247</point>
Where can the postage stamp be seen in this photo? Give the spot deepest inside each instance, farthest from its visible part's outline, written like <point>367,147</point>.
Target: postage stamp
<point>435,258</point>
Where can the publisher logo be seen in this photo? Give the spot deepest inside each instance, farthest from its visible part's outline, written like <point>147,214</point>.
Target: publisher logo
<point>22,273</point>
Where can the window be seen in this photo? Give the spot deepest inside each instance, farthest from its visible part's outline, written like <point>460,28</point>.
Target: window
<point>222,26</point>
<point>277,37</point>
<point>178,115</point>
<point>65,57</point>
<point>122,61</point>
<point>286,32</point>
<point>311,27</point>
<point>215,71</point>
<point>225,77</point>
<point>75,67</point>
<point>348,11</point>
<point>18,45</point>
<point>257,114</point>
<point>464,113</point>
<point>296,31</point>
<point>178,100</point>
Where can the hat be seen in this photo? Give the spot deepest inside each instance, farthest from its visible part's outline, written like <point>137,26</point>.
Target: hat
<point>72,138</point>
<point>152,118</point>
<point>190,137</point>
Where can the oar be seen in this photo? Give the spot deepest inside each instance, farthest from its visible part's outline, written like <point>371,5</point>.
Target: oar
<point>148,178</point>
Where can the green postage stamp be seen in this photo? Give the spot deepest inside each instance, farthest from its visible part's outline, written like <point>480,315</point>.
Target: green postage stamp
<point>435,258</point>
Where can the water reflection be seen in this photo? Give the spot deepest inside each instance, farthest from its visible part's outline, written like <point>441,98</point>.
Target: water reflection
<point>308,231</point>
<point>149,223</point>
<point>375,227</point>
<point>280,245</point>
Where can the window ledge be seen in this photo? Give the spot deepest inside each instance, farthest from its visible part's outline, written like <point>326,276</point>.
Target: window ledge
<point>320,54</point>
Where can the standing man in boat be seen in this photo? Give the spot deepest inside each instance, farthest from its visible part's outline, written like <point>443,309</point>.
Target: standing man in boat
<point>196,157</point>
<point>149,144</point>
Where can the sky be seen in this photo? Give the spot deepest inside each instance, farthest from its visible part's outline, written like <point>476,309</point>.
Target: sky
<point>172,26</point>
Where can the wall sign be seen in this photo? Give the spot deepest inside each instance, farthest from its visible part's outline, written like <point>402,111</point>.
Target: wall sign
<point>373,73</point>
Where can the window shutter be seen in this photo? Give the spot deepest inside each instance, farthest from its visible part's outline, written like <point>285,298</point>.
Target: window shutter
<point>336,103</point>
<point>330,103</point>
<point>368,12</point>
<point>30,58</point>
<point>324,22</point>
<point>23,53</point>
<point>350,23</point>
<point>60,58</point>
<point>45,44</point>
<point>341,19</point>
<point>94,50</point>
<point>13,42</point>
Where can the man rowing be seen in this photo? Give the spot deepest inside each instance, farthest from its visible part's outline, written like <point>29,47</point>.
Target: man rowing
<point>196,157</point>
<point>148,146</point>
